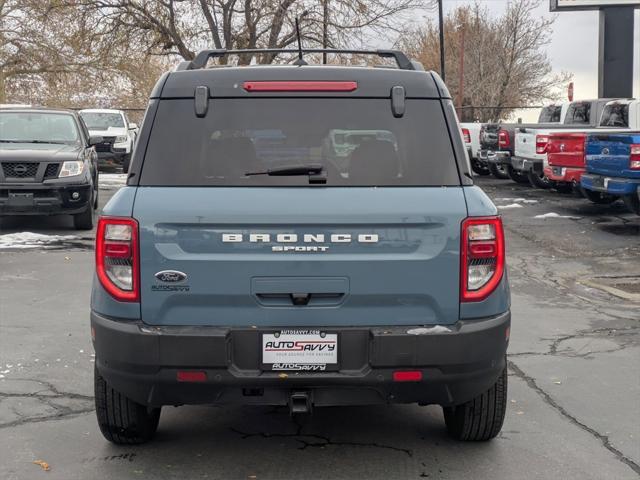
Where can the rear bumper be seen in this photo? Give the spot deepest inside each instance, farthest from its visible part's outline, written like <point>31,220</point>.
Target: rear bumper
<point>564,174</point>
<point>142,362</point>
<point>500,158</point>
<point>43,199</point>
<point>527,164</point>
<point>612,185</point>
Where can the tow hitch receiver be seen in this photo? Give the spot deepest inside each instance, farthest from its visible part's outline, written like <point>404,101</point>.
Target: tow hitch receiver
<point>300,402</point>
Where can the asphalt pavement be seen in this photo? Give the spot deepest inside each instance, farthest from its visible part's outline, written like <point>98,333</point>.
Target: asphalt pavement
<point>574,376</point>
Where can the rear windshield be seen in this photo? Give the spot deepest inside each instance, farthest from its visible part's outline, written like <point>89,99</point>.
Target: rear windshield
<point>578,114</point>
<point>615,115</point>
<point>550,114</point>
<point>357,141</point>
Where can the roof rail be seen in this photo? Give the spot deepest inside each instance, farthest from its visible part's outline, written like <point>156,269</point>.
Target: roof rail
<point>203,57</point>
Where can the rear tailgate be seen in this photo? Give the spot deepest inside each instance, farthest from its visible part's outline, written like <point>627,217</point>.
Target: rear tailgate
<point>377,244</point>
<point>370,257</point>
<point>526,145</point>
<point>609,155</point>
<point>566,150</point>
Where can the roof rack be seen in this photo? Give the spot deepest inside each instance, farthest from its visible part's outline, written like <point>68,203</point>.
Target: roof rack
<point>203,57</point>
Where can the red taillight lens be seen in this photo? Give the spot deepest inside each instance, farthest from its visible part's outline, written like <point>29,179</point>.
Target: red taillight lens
<point>407,376</point>
<point>303,86</point>
<point>117,257</point>
<point>482,257</point>
<point>191,376</point>
<point>541,143</point>
<point>466,135</point>
<point>503,139</point>
<point>634,158</point>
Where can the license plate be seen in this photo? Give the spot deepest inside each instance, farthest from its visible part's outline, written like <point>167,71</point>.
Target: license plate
<point>21,199</point>
<point>301,350</point>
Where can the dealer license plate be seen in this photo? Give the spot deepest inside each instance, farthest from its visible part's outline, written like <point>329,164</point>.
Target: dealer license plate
<point>301,350</point>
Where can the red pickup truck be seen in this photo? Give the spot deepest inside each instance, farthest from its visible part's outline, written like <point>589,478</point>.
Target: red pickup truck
<point>566,157</point>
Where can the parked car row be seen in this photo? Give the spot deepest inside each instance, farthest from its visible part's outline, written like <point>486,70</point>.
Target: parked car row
<point>49,159</point>
<point>588,147</point>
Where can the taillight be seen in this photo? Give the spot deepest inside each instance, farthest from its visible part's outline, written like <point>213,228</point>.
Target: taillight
<point>634,158</point>
<point>503,139</point>
<point>541,143</point>
<point>482,257</point>
<point>117,257</point>
<point>466,135</point>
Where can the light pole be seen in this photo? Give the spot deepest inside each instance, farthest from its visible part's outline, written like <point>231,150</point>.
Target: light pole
<point>325,28</point>
<point>441,24</point>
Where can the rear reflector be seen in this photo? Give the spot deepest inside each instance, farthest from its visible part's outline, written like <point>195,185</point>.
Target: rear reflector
<point>191,376</point>
<point>303,86</point>
<point>407,376</point>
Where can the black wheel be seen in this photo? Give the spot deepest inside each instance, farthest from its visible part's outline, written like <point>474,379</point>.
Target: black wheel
<point>538,180</point>
<point>632,202</point>
<point>498,171</point>
<point>479,169</point>
<point>481,418</point>
<point>84,220</point>
<point>95,193</point>
<point>121,420</point>
<point>563,187</point>
<point>126,161</point>
<point>516,175</point>
<point>599,198</point>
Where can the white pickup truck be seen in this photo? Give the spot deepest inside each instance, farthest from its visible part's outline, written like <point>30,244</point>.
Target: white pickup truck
<point>531,143</point>
<point>471,136</point>
<point>118,134</point>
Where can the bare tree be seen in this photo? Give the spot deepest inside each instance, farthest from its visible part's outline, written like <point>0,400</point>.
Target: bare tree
<point>181,27</point>
<point>505,64</point>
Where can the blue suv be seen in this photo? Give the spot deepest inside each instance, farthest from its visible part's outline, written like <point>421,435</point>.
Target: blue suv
<point>302,236</point>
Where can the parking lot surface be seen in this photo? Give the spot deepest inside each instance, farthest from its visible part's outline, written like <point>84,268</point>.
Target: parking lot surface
<point>574,382</point>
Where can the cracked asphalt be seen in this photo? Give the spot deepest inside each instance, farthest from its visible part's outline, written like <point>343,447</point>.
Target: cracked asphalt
<point>574,374</point>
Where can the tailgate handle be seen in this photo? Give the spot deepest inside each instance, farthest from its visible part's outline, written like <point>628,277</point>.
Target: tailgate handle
<point>300,299</point>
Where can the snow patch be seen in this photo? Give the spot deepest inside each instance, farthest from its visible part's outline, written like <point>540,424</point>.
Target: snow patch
<point>32,240</point>
<point>516,200</point>
<point>511,205</point>
<point>112,181</point>
<point>429,331</point>
<point>556,215</point>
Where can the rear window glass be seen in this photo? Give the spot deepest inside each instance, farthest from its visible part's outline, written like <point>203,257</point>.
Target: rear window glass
<point>615,115</point>
<point>358,142</point>
<point>578,114</point>
<point>550,114</point>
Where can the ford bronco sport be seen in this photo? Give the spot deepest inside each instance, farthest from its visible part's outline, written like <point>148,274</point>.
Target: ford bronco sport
<point>248,263</point>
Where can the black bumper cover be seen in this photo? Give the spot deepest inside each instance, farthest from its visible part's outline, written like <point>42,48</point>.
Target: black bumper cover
<point>43,199</point>
<point>142,362</point>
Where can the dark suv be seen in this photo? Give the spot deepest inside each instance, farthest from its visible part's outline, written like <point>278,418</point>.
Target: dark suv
<point>48,165</point>
<point>313,239</point>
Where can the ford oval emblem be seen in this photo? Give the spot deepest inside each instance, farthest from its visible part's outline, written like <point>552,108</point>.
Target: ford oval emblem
<point>171,276</point>
<point>605,151</point>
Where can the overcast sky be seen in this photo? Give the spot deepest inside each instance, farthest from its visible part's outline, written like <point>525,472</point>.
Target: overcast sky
<point>574,44</point>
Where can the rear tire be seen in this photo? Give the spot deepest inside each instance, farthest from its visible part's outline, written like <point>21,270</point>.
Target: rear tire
<point>84,220</point>
<point>632,202</point>
<point>599,198</point>
<point>479,169</point>
<point>498,171</point>
<point>121,420</point>
<point>516,175</point>
<point>538,180</point>
<point>481,418</point>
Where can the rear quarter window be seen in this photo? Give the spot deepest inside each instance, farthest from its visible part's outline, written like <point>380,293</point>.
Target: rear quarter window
<point>578,114</point>
<point>550,114</point>
<point>615,115</point>
<point>358,142</point>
